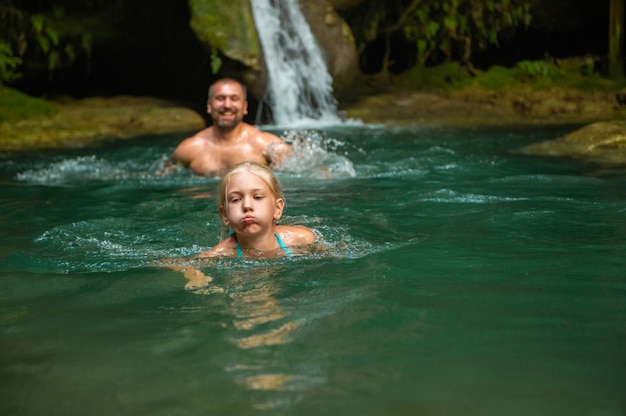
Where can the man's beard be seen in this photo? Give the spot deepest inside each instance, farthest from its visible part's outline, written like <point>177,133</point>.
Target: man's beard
<point>228,124</point>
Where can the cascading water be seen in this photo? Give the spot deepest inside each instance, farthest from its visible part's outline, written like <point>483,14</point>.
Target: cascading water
<point>299,87</point>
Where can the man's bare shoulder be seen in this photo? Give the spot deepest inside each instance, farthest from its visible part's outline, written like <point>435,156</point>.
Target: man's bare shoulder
<point>200,138</point>
<point>259,135</point>
<point>196,142</point>
<point>189,148</point>
<point>274,149</point>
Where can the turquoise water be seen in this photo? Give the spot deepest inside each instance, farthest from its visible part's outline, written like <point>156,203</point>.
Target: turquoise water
<point>459,277</point>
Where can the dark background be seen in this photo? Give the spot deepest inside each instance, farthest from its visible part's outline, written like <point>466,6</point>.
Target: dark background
<point>155,53</point>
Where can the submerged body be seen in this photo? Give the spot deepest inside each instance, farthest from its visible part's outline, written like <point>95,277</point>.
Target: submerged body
<point>229,140</point>
<point>250,202</point>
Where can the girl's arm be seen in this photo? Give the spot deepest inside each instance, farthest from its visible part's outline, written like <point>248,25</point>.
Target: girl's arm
<point>196,279</point>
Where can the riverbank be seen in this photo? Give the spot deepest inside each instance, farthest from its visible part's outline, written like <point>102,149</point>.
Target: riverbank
<point>517,105</point>
<point>81,123</point>
<point>84,122</point>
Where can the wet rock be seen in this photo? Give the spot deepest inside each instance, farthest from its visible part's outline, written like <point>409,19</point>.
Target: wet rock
<point>230,28</point>
<point>602,142</point>
<point>336,42</point>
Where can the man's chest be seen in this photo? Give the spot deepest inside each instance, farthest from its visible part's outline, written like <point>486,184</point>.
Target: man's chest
<point>217,158</point>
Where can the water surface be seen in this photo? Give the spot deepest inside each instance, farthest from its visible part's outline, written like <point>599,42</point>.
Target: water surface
<point>459,277</point>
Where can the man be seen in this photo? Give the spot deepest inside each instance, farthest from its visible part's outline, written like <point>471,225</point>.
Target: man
<point>229,140</point>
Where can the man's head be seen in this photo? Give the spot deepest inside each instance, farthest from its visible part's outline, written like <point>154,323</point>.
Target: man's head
<point>227,103</point>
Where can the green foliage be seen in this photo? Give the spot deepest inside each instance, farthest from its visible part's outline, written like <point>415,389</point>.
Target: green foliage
<point>538,69</point>
<point>15,106</point>
<point>578,73</point>
<point>36,32</point>
<point>8,64</point>
<point>449,75</point>
<point>455,29</point>
<point>441,30</point>
<point>229,27</point>
<point>216,61</point>
<point>496,78</point>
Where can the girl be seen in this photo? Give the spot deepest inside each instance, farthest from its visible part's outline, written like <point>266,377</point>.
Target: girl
<point>250,202</point>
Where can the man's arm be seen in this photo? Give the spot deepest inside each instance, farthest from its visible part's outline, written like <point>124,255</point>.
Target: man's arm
<point>184,153</point>
<point>178,157</point>
<point>277,151</point>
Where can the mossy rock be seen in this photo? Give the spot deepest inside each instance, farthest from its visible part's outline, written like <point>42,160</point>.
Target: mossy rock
<point>83,123</point>
<point>602,142</point>
<point>227,26</point>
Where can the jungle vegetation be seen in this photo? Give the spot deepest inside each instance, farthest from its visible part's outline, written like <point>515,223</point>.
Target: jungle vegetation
<point>52,48</point>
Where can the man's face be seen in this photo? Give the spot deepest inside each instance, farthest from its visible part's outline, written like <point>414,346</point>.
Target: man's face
<point>227,105</point>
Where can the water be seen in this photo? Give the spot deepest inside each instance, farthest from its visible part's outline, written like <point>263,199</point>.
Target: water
<point>459,277</point>
<point>300,89</point>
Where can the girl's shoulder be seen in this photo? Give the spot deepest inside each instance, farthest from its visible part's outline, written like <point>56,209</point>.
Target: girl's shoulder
<point>225,248</point>
<point>296,235</point>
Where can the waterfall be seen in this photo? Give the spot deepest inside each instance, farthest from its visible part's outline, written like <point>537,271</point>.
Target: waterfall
<point>299,85</point>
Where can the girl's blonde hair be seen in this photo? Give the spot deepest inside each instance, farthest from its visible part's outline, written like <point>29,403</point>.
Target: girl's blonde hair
<point>257,169</point>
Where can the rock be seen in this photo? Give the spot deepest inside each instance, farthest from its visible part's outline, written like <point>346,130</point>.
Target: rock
<point>335,40</point>
<point>81,123</point>
<point>419,107</point>
<point>228,27</point>
<point>602,142</point>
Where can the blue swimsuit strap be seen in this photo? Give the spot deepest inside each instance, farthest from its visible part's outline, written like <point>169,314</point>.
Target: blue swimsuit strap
<point>282,245</point>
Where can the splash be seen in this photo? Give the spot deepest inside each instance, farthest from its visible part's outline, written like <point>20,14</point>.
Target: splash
<point>72,170</point>
<point>121,170</point>
<point>316,156</point>
<point>300,87</point>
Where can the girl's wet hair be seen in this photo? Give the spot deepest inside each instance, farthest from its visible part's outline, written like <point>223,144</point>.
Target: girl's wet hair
<point>257,169</point>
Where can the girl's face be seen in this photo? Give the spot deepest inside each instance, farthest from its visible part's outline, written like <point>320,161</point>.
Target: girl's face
<point>250,205</point>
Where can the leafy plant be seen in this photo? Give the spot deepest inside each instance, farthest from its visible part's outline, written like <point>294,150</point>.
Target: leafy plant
<point>15,106</point>
<point>40,32</point>
<point>441,30</point>
<point>8,64</point>
<point>538,69</point>
<point>216,61</point>
<point>545,74</point>
<point>496,78</point>
<point>455,29</point>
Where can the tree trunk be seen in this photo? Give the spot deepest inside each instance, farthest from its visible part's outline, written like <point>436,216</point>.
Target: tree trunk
<point>616,39</point>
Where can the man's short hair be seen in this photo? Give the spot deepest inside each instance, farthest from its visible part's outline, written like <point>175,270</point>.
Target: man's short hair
<point>228,80</point>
